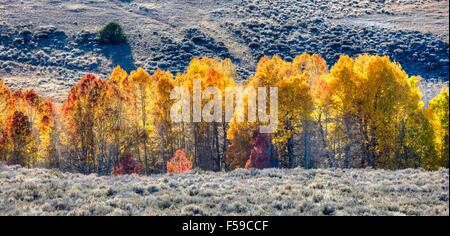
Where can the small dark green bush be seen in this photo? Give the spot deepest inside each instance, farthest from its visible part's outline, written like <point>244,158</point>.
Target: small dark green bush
<point>112,33</point>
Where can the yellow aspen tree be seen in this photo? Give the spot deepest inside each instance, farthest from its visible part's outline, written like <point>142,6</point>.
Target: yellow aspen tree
<point>438,115</point>
<point>5,94</point>
<point>121,124</point>
<point>164,85</point>
<point>416,145</point>
<point>293,82</point>
<point>239,136</point>
<point>142,88</point>
<point>373,96</point>
<point>208,150</point>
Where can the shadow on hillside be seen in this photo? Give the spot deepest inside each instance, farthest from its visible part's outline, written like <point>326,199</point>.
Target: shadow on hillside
<point>120,55</point>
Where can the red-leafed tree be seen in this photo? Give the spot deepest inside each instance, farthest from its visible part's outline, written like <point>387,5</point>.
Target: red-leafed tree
<point>127,166</point>
<point>87,115</point>
<point>261,151</point>
<point>18,135</point>
<point>29,131</point>
<point>179,163</point>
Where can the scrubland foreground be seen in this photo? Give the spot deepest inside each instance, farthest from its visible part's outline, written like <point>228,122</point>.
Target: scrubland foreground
<point>240,192</point>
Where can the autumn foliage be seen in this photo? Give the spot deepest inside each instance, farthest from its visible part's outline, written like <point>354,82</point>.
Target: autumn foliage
<point>261,152</point>
<point>87,116</point>
<point>28,128</point>
<point>18,134</point>
<point>127,166</point>
<point>439,118</point>
<point>360,112</point>
<point>179,163</point>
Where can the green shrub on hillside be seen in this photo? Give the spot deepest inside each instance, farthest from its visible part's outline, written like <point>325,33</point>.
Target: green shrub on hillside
<point>112,33</point>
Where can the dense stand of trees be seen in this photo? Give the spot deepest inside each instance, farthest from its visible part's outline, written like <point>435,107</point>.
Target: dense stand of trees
<point>362,112</point>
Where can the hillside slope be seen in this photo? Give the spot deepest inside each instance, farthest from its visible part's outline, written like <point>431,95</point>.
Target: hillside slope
<point>266,192</point>
<point>54,44</point>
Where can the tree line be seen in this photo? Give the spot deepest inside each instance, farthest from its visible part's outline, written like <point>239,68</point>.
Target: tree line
<point>361,112</point>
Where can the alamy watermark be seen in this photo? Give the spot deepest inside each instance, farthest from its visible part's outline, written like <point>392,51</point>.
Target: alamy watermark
<point>235,97</point>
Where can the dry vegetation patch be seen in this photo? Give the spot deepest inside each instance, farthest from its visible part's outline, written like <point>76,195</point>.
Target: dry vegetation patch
<point>240,192</point>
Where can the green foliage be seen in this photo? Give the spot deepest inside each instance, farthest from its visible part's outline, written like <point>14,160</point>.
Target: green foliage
<point>112,33</point>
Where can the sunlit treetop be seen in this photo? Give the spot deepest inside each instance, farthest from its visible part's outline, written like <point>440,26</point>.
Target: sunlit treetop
<point>118,75</point>
<point>90,88</point>
<point>140,77</point>
<point>5,93</point>
<point>313,65</point>
<point>4,90</point>
<point>368,83</point>
<point>210,72</point>
<point>440,106</point>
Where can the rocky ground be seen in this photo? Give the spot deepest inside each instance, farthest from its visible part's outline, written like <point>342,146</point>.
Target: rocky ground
<point>49,44</point>
<point>240,192</point>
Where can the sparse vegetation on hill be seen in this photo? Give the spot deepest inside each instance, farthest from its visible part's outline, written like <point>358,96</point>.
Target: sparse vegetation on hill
<point>54,51</point>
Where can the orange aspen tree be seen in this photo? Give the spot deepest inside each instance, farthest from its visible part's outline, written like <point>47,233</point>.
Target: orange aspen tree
<point>179,163</point>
